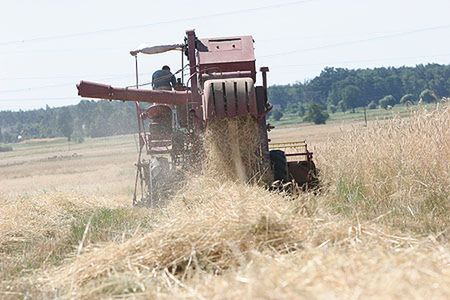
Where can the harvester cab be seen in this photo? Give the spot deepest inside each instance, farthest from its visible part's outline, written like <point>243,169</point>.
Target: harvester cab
<point>221,85</point>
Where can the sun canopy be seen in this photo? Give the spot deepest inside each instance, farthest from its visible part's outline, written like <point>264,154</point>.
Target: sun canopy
<point>157,49</point>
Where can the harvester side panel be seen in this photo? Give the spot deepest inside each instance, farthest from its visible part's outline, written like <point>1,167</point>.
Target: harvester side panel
<point>224,55</point>
<point>226,50</point>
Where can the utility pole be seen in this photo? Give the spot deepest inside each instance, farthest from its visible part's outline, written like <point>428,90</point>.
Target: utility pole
<point>365,117</point>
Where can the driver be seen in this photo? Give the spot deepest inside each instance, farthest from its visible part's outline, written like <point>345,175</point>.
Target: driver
<point>163,79</point>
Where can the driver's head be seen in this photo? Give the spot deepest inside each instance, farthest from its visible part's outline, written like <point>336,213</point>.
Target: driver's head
<point>166,68</point>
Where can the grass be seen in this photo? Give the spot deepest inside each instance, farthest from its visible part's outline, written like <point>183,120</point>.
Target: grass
<point>358,115</point>
<point>377,229</point>
<point>395,168</point>
<point>108,224</point>
<point>6,148</point>
<point>85,228</point>
<point>350,197</point>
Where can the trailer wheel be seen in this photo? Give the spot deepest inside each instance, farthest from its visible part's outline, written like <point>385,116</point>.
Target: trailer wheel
<point>279,165</point>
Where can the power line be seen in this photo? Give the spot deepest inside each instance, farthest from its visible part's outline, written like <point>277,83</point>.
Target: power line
<point>275,66</point>
<point>327,36</point>
<point>52,99</point>
<point>72,83</point>
<point>14,100</point>
<point>62,84</point>
<point>103,76</point>
<point>106,30</point>
<point>36,88</point>
<point>276,54</point>
<point>361,60</point>
<point>90,50</point>
<point>67,50</point>
<point>359,41</point>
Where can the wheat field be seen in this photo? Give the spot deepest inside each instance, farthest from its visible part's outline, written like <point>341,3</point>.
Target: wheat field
<point>378,227</point>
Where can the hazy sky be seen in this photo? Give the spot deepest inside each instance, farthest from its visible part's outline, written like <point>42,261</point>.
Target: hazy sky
<point>47,46</point>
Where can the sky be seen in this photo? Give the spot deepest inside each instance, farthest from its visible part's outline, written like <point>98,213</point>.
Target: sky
<point>48,46</point>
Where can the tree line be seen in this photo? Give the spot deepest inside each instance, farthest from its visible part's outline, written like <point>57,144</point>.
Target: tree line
<point>347,89</point>
<point>334,89</point>
<point>86,119</point>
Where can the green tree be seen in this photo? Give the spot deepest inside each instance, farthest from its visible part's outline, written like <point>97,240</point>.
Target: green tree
<point>342,106</point>
<point>317,114</point>
<point>65,123</point>
<point>332,108</point>
<point>372,105</point>
<point>102,118</point>
<point>387,101</point>
<point>351,96</point>
<point>277,115</point>
<point>408,98</point>
<point>301,111</point>
<point>428,96</point>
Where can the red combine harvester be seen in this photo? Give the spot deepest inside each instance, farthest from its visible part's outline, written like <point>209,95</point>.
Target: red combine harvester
<point>221,84</point>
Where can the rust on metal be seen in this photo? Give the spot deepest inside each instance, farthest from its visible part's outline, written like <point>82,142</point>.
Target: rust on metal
<point>157,111</point>
<point>222,84</point>
<point>102,91</point>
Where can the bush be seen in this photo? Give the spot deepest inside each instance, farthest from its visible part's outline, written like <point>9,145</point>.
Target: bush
<point>78,138</point>
<point>428,96</point>
<point>372,105</point>
<point>342,106</point>
<point>301,111</point>
<point>408,98</point>
<point>351,96</point>
<point>6,148</point>
<point>387,101</point>
<point>291,109</point>
<point>277,115</point>
<point>317,114</point>
<point>332,108</point>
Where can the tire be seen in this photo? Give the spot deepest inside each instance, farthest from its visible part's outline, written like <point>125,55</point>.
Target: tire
<point>305,174</point>
<point>279,165</point>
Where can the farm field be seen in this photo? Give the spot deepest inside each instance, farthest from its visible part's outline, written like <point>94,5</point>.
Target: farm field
<point>358,115</point>
<point>379,227</point>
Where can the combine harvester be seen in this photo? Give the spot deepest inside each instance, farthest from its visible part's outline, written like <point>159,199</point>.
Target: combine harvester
<point>221,85</point>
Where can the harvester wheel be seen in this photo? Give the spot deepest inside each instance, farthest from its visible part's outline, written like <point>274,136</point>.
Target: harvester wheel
<point>279,165</point>
<point>305,174</point>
